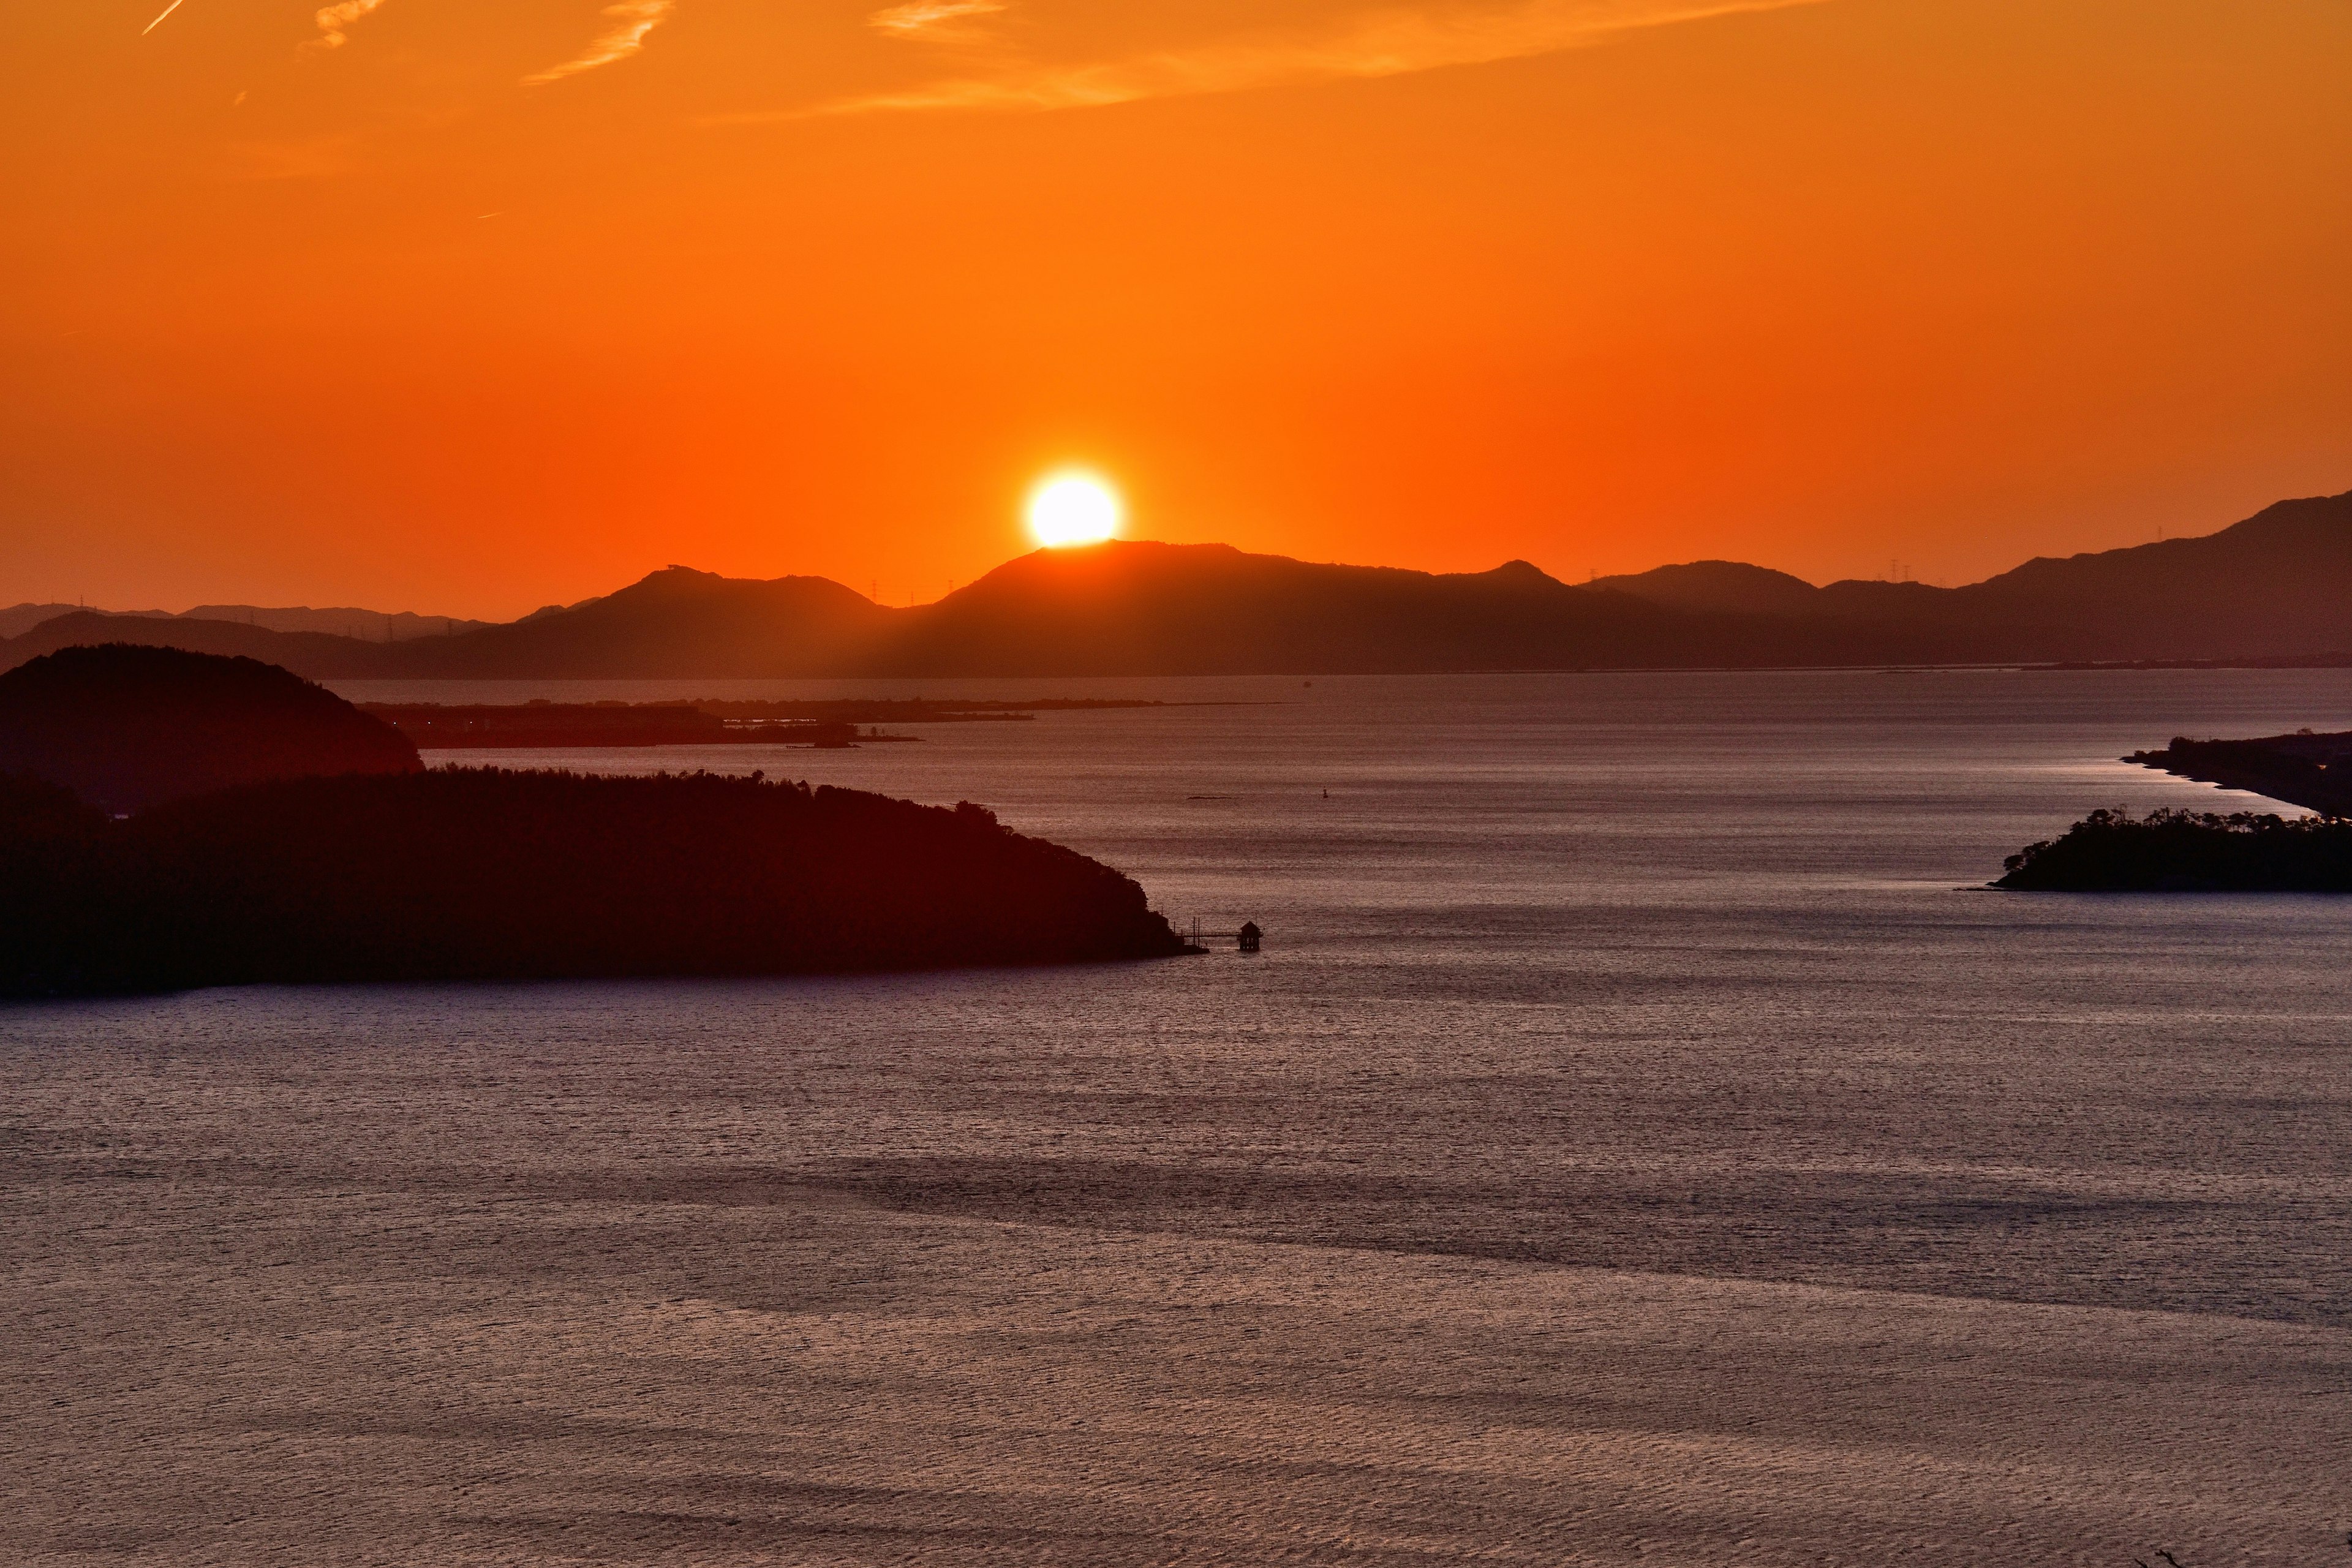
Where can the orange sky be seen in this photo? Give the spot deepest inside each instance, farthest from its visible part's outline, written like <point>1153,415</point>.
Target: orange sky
<point>820,286</point>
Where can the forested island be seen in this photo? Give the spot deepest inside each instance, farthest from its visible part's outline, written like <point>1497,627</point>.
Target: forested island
<point>2186,851</point>
<point>126,864</point>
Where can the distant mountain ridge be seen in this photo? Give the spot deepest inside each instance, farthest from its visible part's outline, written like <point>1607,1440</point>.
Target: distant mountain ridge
<point>2279,584</point>
<point>392,626</point>
<point>2275,585</point>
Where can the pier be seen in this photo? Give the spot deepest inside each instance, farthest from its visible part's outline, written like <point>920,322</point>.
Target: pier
<point>1248,939</point>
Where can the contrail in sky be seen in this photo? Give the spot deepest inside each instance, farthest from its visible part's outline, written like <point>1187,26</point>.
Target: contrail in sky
<point>159,21</point>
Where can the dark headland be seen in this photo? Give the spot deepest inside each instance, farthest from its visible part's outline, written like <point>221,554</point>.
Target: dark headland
<point>2189,852</point>
<point>2186,851</point>
<point>326,873</point>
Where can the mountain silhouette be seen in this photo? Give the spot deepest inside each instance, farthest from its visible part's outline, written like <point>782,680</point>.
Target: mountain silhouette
<point>2279,583</point>
<point>675,622</point>
<point>2273,586</point>
<point>1141,608</point>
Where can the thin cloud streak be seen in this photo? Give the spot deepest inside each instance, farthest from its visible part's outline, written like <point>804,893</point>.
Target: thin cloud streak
<point>1387,43</point>
<point>632,20</point>
<point>335,20</point>
<point>932,19</point>
<point>158,22</point>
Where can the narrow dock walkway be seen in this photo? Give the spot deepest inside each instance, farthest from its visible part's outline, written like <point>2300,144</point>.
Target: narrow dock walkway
<point>1249,939</point>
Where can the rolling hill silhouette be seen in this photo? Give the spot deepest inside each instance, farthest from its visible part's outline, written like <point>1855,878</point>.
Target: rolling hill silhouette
<point>124,727</point>
<point>315,656</point>
<point>2273,586</point>
<point>1719,587</point>
<point>673,622</point>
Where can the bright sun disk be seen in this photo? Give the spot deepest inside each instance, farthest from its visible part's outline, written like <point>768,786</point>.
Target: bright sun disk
<point>1073,508</point>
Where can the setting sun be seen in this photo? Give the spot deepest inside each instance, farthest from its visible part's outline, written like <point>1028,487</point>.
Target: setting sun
<point>1073,508</point>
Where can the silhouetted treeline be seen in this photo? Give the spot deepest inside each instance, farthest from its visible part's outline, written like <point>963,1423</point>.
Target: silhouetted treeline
<point>2188,851</point>
<point>124,726</point>
<point>481,874</point>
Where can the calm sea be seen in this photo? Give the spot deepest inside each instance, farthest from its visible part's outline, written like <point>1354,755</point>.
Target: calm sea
<point>1640,1140</point>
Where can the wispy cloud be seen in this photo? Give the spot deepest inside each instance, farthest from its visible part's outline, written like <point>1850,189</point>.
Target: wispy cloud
<point>159,21</point>
<point>632,20</point>
<point>933,19</point>
<point>1387,42</point>
<point>334,20</point>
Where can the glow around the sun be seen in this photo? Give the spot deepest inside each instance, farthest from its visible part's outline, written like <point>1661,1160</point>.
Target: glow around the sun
<point>1073,509</point>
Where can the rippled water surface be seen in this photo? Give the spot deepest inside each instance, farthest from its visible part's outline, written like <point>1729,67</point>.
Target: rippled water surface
<point>1635,1143</point>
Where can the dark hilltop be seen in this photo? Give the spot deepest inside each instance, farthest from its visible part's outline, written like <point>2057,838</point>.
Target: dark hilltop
<point>124,727</point>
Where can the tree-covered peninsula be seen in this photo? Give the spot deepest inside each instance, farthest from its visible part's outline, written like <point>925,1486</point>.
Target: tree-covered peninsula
<point>172,819</point>
<point>480,874</point>
<point>2189,852</point>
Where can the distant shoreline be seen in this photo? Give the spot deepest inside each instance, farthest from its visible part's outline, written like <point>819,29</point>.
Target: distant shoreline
<point>1991,667</point>
<point>539,725</point>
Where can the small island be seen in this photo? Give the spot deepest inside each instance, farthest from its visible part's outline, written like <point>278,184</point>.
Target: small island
<point>2189,852</point>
